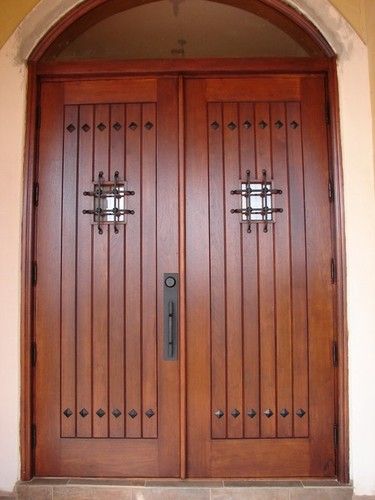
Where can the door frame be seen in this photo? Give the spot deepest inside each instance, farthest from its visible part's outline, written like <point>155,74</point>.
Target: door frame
<point>38,72</point>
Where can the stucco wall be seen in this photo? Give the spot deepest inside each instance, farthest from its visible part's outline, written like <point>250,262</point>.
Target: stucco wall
<point>359,208</point>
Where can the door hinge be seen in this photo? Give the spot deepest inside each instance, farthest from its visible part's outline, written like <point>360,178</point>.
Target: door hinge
<point>36,194</point>
<point>331,190</point>
<point>34,273</point>
<point>328,114</point>
<point>33,353</point>
<point>335,435</point>
<point>335,353</point>
<point>333,271</point>
<point>33,436</point>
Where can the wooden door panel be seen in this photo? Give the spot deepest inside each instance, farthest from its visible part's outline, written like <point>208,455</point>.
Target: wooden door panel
<point>111,91</point>
<point>259,303</point>
<point>106,402</point>
<point>253,89</point>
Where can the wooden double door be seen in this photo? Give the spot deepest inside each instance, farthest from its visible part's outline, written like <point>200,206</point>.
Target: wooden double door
<point>214,190</point>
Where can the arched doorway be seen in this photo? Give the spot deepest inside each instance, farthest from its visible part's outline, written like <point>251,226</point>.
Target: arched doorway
<point>228,367</point>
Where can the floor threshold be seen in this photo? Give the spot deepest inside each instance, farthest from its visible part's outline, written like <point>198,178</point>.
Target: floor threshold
<point>190,489</point>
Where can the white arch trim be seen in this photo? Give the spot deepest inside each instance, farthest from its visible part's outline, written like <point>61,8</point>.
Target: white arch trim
<point>359,202</point>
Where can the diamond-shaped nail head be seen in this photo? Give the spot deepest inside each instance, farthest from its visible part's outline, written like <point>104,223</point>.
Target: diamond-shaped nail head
<point>116,413</point>
<point>219,414</point>
<point>300,413</point>
<point>132,413</point>
<point>279,124</point>
<point>284,412</point>
<point>85,127</point>
<point>232,126</point>
<point>133,126</point>
<point>252,413</point>
<point>263,124</point>
<point>68,413</point>
<point>215,125</point>
<point>268,413</point>
<point>149,413</point>
<point>117,126</point>
<point>294,124</point>
<point>101,127</point>
<point>235,413</point>
<point>149,125</point>
<point>83,413</point>
<point>70,128</point>
<point>100,413</point>
<point>247,124</point>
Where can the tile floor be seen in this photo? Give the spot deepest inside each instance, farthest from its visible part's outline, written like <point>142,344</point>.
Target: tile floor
<point>107,489</point>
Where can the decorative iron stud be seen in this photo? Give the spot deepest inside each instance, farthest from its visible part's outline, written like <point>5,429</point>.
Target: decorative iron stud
<point>232,126</point>
<point>117,126</point>
<point>149,125</point>
<point>300,413</point>
<point>150,413</point>
<point>68,413</point>
<point>294,124</point>
<point>219,414</point>
<point>70,128</point>
<point>83,413</point>
<point>263,124</point>
<point>268,413</point>
<point>132,413</point>
<point>215,125</point>
<point>279,124</point>
<point>133,126</point>
<point>235,413</point>
<point>85,127</point>
<point>101,127</point>
<point>247,124</point>
<point>100,413</point>
<point>284,412</point>
<point>252,413</point>
<point>116,413</point>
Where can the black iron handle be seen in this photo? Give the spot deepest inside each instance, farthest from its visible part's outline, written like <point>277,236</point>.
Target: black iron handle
<point>170,328</point>
<point>171,304</point>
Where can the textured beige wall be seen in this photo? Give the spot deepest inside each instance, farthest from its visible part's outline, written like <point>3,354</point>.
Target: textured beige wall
<point>369,25</point>
<point>354,11</point>
<point>11,14</point>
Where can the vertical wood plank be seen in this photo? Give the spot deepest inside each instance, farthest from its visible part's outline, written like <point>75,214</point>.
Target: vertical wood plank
<point>116,283</point>
<point>100,286</point>
<point>133,274</point>
<point>149,366</point>
<point>217,271</point>
<point>197,280</point>
<point>84,273</point>
<point>68,271</point>
<point>250,283</point>
<point>48,410</point>
<point>266,284</point>
<point>284,408</point>
<point>233,273</point>
<point>320,289</point>
<point>298,270</point>
<point>167,186</point>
